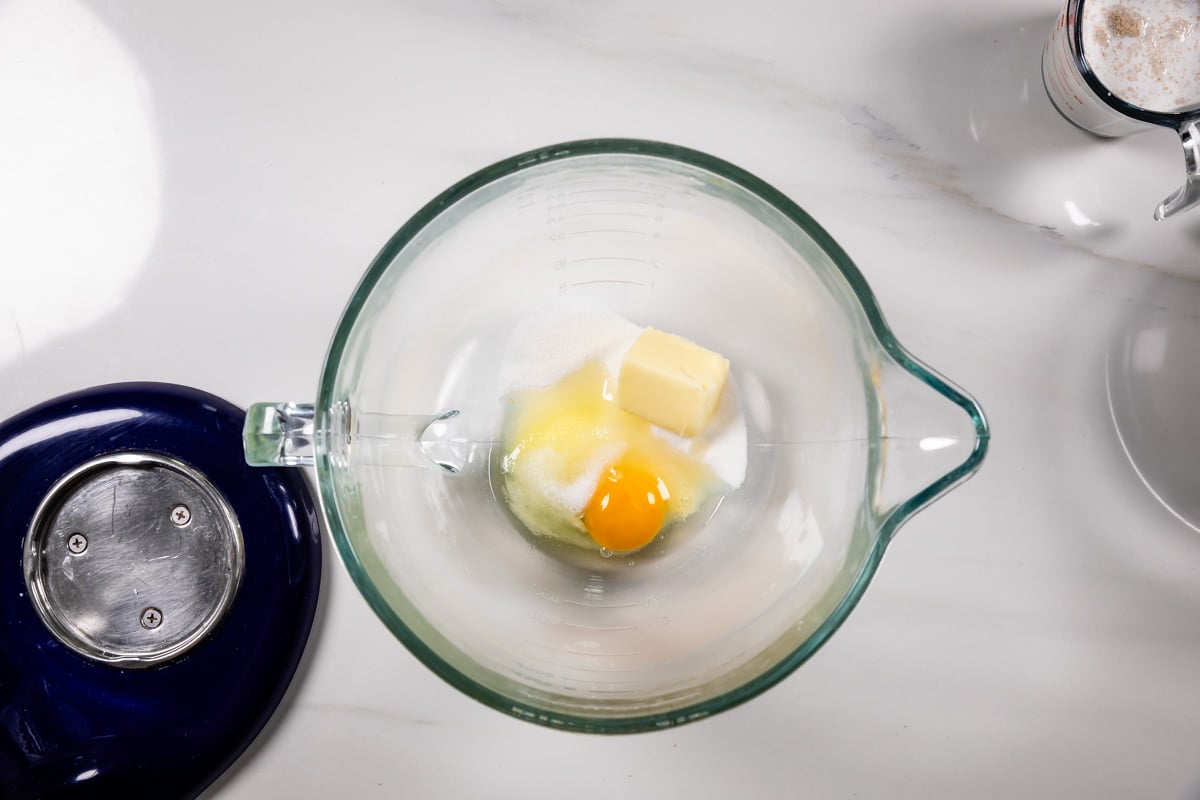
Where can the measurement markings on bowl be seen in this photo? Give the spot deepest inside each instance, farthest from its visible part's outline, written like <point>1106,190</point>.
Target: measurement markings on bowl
<point>601,201</point>
<point>592,650</point>
<point>558,236</point>
<point>646,192</point>
<point>633,214</point>
<point>564,263</point>
<point>562,288</point>
<point>614,269</point>
<point>594,627</point>
<point>602,605</point>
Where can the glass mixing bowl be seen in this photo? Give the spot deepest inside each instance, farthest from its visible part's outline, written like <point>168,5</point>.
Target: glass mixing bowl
<point>848,436</point>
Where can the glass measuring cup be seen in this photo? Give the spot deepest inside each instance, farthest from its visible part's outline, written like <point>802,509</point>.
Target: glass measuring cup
<point>848,437</point>
<point>1079,95</point>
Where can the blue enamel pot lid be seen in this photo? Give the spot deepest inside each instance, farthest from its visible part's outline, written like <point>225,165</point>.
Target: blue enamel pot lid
<point>157,591</point>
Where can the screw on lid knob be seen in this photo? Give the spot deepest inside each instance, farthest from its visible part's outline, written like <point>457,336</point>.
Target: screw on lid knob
<point>105,566</point>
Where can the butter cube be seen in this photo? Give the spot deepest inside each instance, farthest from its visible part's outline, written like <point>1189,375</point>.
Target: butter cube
<point>671,382</point>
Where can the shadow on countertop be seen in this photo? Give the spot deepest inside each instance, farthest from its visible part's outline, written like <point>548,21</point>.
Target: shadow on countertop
<point>981,128</point>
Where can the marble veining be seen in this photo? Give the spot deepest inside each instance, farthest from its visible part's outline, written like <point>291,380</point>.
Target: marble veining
<point>1034,634</point>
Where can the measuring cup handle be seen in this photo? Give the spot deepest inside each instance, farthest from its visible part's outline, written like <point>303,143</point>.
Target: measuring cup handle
<point>280,435</point>
<point>1188,195</point>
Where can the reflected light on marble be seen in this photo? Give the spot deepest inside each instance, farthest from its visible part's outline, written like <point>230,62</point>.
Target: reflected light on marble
<point>973,127</point>
<point>81,192</point>
<point>975,118</point>
<point>1077,217</point>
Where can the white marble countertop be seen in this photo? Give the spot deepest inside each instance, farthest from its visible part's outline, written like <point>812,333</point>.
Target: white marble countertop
<point>216,176</point>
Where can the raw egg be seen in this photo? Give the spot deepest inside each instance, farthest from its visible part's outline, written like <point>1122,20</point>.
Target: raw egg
<point>628,508</point>
<point>579,468</point>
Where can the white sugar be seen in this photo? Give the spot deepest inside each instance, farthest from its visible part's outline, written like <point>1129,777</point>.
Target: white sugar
<point>722,443</point>
<point>546,348</point>
<point>573,496</point>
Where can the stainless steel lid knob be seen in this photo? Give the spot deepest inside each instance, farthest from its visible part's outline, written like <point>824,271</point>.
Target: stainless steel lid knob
<point>132,559</point>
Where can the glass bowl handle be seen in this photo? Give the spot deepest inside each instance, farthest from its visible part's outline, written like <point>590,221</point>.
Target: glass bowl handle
<point>286,435</point>
<point>280,435</point>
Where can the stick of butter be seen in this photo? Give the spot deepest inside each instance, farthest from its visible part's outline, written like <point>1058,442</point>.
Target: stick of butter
<point>671,382</point>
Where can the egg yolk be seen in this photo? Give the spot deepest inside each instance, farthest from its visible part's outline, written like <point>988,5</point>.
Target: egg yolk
<point>627,509</point>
